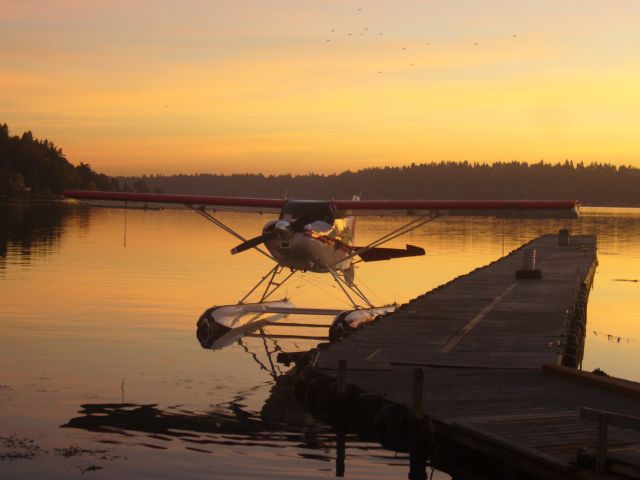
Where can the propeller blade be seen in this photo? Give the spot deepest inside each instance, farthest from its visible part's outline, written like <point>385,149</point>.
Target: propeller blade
<point>252,242</point>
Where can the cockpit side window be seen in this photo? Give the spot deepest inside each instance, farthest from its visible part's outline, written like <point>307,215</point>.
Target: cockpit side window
<point>317,211</point>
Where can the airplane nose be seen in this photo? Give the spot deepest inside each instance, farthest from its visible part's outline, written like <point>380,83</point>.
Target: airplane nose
<point>283,230</point>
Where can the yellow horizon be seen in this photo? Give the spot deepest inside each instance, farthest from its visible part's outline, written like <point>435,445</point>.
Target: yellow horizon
<point>216,89</point>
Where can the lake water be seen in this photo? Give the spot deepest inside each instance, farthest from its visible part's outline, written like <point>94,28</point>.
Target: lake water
<point>101,373</point>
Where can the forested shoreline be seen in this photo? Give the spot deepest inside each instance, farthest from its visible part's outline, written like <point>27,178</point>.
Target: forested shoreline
<point>31,167</point>
<point>592,184</point>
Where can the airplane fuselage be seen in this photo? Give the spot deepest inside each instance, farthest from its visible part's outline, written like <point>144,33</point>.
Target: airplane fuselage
<point>316,246</point>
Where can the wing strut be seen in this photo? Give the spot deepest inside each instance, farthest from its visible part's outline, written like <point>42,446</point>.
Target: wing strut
<point>206,215</point>
<point>272,285</point>
<point>344,285</point>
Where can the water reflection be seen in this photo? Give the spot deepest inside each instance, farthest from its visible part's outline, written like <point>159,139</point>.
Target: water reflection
<point>94,312</point>
<point>281,422</point>
<point>229,424</point>
<point>35,229</point>
<point>31,231</point>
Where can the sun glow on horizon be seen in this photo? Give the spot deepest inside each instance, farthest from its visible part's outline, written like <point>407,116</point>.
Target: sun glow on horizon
<point>321,86</point>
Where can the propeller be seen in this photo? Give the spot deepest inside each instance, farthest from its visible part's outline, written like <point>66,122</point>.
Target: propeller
<point>252,242</point>
<point>283,229</point>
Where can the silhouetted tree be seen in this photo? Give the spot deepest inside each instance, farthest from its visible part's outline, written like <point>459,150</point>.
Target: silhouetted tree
<point>140,186</point>
<point>38,166</point>
<point>596,183</point>
<point>28,164</point>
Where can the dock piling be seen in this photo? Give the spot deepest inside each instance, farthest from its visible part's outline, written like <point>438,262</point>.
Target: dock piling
<point>601,443</point>
<point>529,270</point>
<point>341,418</point>
<point>418,392</point>
<point>417,456</point>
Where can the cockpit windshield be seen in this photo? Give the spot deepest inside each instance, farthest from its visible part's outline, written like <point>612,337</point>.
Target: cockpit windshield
<point>315,211</point>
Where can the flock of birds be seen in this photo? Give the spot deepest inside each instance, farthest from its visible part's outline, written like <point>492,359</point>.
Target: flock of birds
<point>613,338</point>
<point>365,31</point>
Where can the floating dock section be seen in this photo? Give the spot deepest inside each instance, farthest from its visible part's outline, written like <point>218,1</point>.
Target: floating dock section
<point>495,353</point>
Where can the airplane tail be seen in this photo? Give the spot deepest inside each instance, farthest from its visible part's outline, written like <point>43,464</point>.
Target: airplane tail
<point>350,275</point>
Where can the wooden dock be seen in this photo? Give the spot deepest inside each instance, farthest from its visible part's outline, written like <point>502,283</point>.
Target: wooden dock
<point>496,354</point>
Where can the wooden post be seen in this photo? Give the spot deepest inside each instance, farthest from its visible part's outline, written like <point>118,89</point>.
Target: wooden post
<point>417,455</point>
<point>601,445</point>
<point>340,452</point>
<point>341,418</point>
<point>603,419</point>
<point>418,392</point>
<point>529,270</point>
<point>342,379</point>
<point>341,395</point>
<point>563,237</point>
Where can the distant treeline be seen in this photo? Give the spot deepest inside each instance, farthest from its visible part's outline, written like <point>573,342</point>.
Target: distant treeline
<point>28,164</point>
<point>592,184</point>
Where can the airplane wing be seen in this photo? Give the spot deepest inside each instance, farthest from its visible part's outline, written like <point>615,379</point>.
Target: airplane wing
<point>235,204</point>
<point>345,208</point>
<point>488,208</point>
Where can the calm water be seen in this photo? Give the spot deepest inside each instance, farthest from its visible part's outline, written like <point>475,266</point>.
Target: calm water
<point>100,338</point>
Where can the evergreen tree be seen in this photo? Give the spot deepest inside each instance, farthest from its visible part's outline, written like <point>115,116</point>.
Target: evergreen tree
<point>40,167</point>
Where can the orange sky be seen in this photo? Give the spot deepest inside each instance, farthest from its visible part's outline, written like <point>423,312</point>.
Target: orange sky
<point>205,86</point>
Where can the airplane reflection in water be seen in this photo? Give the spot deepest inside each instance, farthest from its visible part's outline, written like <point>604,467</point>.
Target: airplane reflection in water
<point>280,415</point>
<point>281,422</point>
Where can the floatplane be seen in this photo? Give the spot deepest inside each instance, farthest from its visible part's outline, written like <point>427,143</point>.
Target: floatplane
<point>317,236</point>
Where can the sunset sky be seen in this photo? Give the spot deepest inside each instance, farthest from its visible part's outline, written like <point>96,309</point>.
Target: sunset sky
<point>279,86</point>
